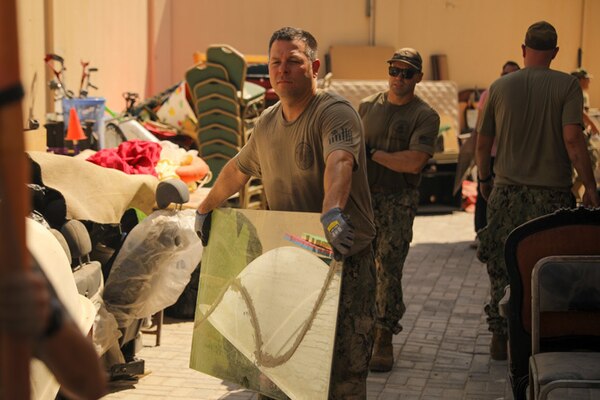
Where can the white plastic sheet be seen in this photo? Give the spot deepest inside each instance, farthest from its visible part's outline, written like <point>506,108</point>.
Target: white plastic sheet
<point>153,266</point>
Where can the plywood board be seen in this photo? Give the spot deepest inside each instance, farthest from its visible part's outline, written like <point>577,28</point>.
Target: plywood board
<point>267,308</point>
<point>359,62</point>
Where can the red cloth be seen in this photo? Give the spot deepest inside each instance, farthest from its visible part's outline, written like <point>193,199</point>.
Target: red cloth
<point>131,157</point>
<point>469,195</point>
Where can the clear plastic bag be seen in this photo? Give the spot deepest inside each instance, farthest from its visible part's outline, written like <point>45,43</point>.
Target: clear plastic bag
<point>106,332</point>
<point>153,266</point>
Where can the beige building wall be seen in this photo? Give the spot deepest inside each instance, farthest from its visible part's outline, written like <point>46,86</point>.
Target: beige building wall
<point>591,48</point>
<point>110,34</point>
<point>31,55</point>
<point>477,36</point>
<point>146,46</point>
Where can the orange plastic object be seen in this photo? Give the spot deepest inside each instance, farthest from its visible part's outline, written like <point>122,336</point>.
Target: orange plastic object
<point>74,132</point>
<point>200,57</point>
<point>195,171</point>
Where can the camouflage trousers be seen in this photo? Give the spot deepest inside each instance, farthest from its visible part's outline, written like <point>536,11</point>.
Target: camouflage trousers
<point>509,207</point>
<point>354,332</point>
<point>394,216</point>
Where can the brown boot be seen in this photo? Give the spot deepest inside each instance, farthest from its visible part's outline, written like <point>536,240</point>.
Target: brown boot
<point>382,359</point>
<point>498,347</point>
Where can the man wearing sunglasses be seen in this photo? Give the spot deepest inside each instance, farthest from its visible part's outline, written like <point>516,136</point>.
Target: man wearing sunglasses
<point>400,132</point>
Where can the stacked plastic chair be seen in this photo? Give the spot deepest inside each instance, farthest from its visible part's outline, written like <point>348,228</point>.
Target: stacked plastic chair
<point>225,106</point>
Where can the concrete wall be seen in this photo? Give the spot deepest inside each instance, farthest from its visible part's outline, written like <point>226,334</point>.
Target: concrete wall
<point>146,46</point>
<point>111,34</point>
<point>477,36</point>
<point>31,48</point>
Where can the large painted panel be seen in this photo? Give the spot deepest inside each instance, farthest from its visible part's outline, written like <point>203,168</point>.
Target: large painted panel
<point>267,304</point>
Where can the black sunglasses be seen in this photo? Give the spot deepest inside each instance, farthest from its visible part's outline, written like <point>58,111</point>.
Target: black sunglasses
<point>406,73</point>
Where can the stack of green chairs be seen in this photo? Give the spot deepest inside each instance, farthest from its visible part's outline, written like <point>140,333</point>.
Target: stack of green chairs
<point>225,106</point>
<point>251,95</point>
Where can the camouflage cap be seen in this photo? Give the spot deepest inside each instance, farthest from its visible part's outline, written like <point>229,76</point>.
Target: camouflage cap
<point>408,55</point>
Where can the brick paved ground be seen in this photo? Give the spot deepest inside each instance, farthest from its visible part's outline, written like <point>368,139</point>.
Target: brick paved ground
<point>441,354</point>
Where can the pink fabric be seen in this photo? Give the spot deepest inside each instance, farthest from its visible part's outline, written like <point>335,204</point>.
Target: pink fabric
<point>131,157</point>
<point>482,100</point>
<point>469,195</point>
<point>480,106</point>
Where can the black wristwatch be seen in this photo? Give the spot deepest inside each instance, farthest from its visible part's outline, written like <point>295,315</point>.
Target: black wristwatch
<point>370,152</point>
<point>55,321</point>
<point>486,180</point>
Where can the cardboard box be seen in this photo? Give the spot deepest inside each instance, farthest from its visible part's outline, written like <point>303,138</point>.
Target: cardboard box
<point>359,62</point>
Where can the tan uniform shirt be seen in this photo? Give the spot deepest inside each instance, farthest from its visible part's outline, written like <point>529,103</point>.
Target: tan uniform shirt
<point>389,127</point>
<point>289,157</point>
<point>526,111</point>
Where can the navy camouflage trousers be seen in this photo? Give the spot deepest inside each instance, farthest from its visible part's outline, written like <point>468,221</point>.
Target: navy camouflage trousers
<point>509,207</point>
<point>394,216</point>
<point>354,332</point>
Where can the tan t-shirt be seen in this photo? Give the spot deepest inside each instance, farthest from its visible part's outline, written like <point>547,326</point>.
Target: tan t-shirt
<point>389,127</point>
<point>526,111</point>
<point>289,157</point>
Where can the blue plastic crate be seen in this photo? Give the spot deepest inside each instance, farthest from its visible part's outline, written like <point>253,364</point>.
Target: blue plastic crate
<point>91,108</point>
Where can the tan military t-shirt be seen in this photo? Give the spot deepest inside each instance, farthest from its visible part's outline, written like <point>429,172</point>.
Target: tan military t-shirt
<point>389,127</point>
<point>526,111</point>
<point>289,157</point>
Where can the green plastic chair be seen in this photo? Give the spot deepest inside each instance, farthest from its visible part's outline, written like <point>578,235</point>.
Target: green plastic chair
<point>225,118</point>
<point>215,86</point>
<point>232,60</point>
<point>207,73</point>
<point>222,132</point>
<point>218,146</point>
<point>215,162</point>
<point>218,102</point>
<point>203,72</point>
<point>235,64</point>
<point>253,100</point>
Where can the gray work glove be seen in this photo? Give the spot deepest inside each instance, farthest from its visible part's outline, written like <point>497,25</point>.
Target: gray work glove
<point>338,231</point>
<point>202,226</point>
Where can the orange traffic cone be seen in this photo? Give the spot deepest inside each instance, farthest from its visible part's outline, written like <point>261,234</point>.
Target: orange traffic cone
<point>74,131</point>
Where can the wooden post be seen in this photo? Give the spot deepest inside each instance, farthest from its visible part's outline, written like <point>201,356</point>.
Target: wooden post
<point>15,352</point>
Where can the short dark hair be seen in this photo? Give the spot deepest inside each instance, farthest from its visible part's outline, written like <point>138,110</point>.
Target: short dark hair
<point>289,34</point>
<point>511,64</point>
<point>541,36</point>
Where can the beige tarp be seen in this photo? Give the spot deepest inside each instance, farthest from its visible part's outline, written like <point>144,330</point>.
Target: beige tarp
<point>95,193</point>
